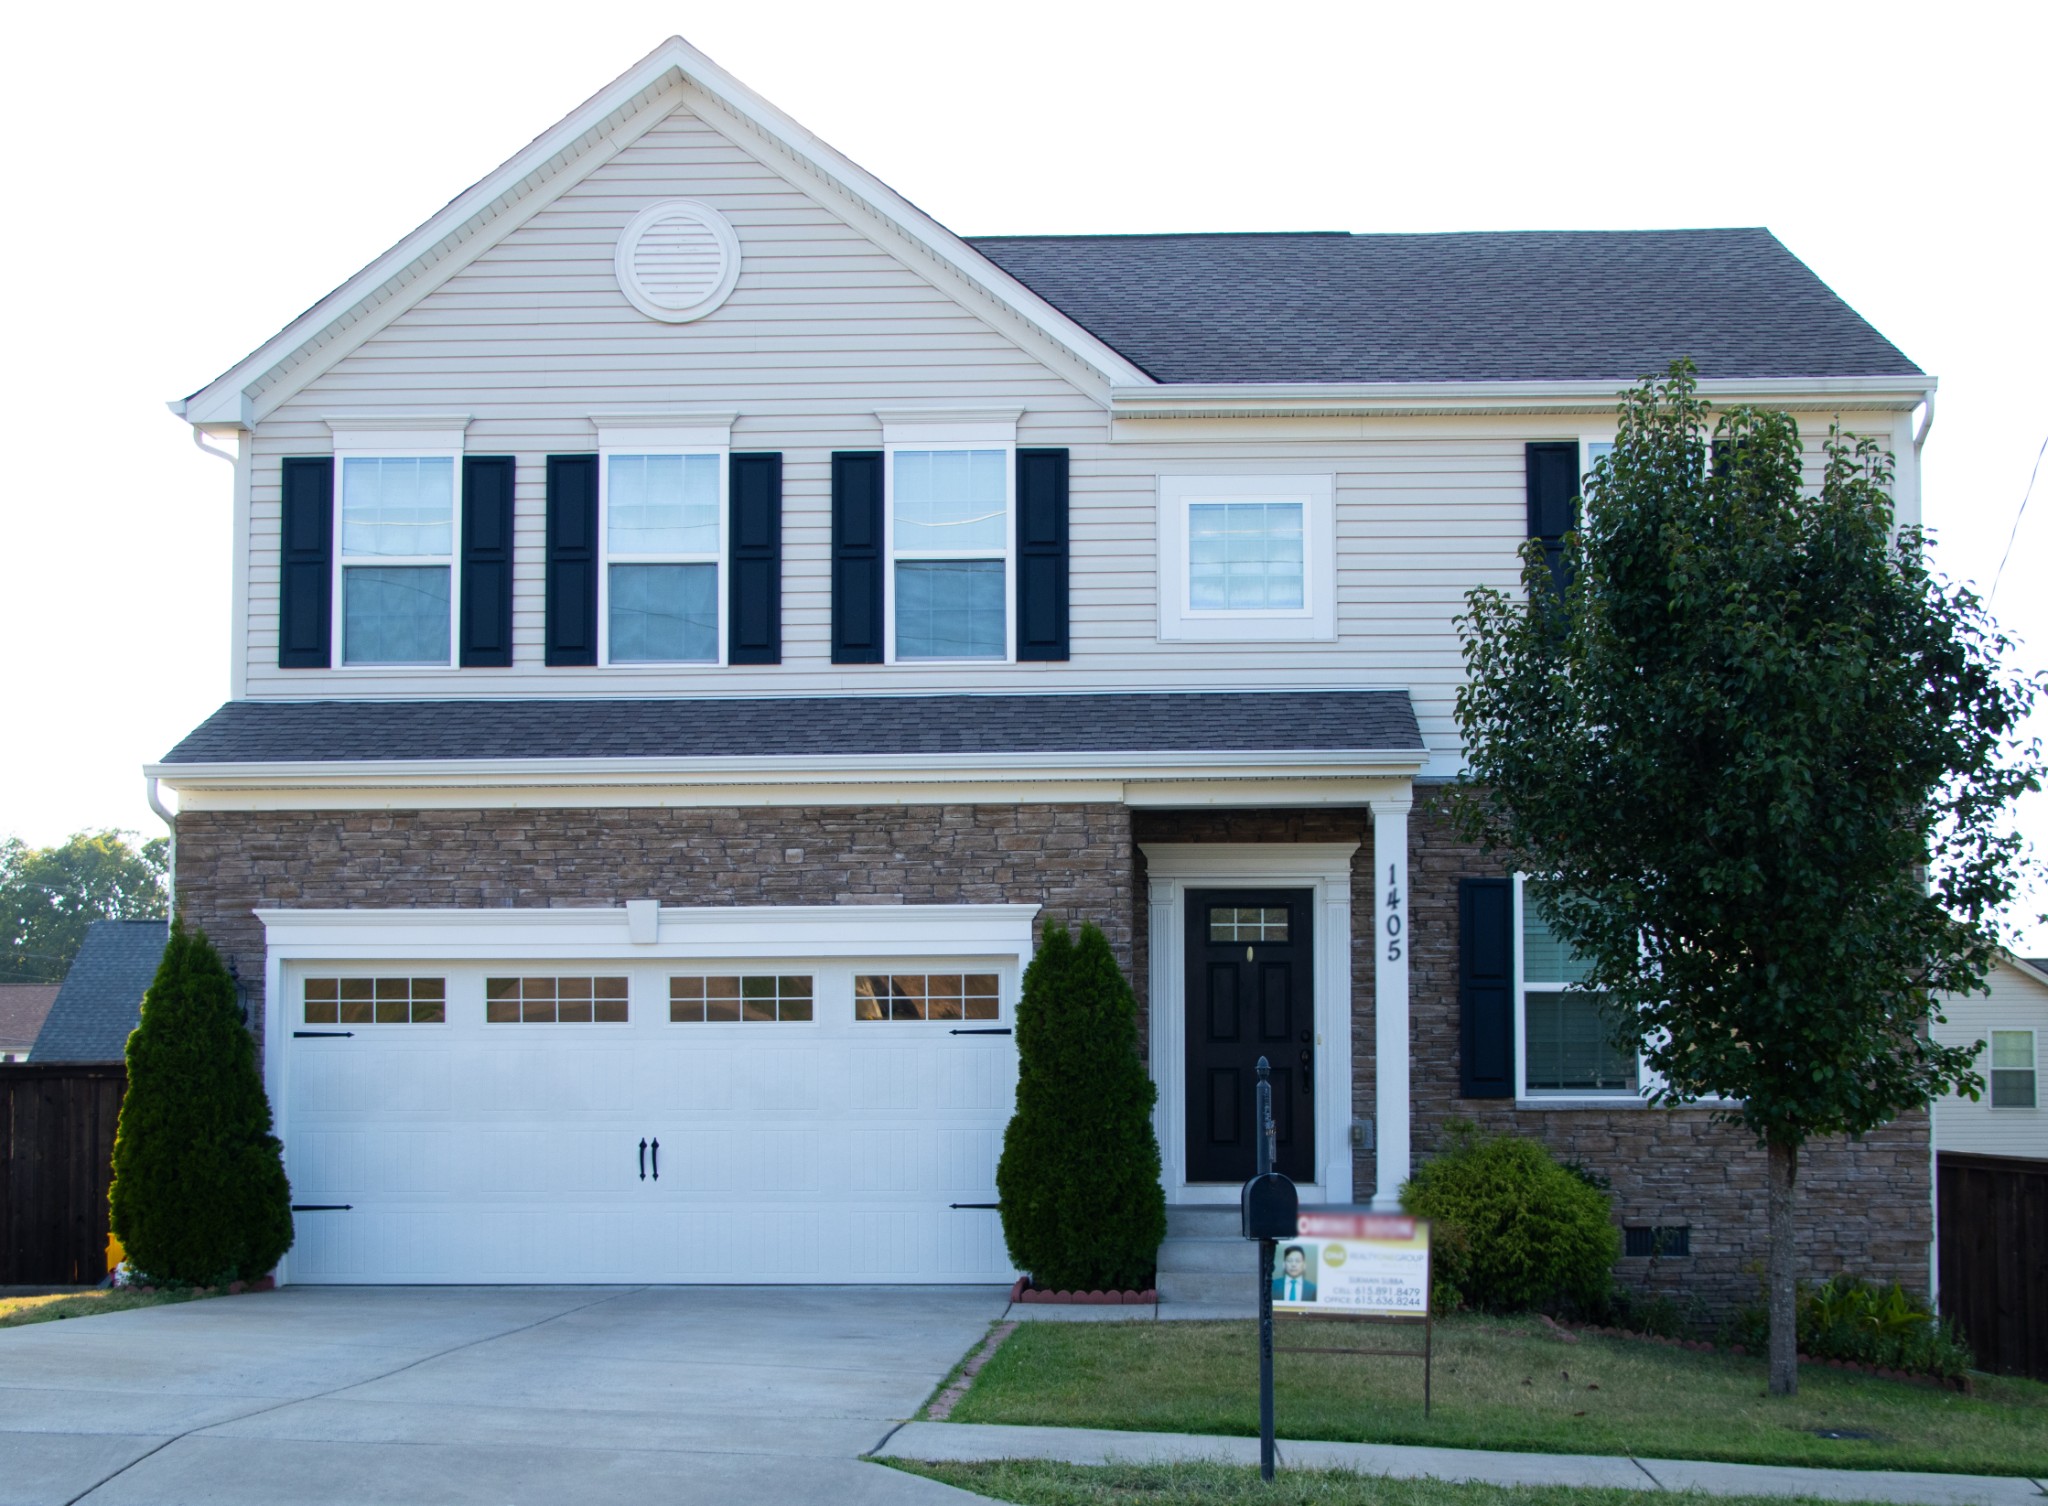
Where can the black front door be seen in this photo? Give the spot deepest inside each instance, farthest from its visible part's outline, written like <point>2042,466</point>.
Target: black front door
<point>1250,993</point>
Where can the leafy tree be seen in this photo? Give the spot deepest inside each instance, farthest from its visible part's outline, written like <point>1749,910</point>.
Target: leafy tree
<point>199,1193</point>
<point>1761,757</point>
<point>49,895</point>
<point>1082,1205</point>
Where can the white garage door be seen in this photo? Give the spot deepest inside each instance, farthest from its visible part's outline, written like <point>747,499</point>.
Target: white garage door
<point>780,1121</point>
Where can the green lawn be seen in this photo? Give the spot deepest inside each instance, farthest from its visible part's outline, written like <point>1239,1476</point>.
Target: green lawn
<point>16,1311</point>
<point>1034,1483</point>
<point>1503,1384</point>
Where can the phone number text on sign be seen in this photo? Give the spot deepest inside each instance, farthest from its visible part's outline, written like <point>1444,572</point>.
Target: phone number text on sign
<point>1365,1263</point>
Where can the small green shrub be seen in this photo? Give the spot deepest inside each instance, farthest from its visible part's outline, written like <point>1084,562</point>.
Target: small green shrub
<point>1082,1204</point>
<point>1846,1318</point>
<point>1529,1233</point>
<point>199,1196</point>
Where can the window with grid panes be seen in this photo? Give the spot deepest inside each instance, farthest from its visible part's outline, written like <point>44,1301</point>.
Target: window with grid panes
<point>555,1001</point>
<point>709,1000</point>
<point>926,996</point>
<point>376,1001</point>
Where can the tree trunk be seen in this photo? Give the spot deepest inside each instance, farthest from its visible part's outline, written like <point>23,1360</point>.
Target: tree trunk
<point>1783,1271</point>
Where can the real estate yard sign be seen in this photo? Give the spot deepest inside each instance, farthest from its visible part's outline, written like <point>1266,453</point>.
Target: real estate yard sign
<point>1354,1265</point>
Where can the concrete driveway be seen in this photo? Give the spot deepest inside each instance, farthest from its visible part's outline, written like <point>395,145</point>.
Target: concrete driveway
<point>499,1395</point>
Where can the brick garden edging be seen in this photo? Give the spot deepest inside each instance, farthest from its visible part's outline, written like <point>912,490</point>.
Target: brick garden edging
<point>1023,1291</point>
<point>943,1404</point>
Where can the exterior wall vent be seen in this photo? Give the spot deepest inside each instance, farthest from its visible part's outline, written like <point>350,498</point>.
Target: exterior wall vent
<point>677,260</point>
<point>1656,1243</point>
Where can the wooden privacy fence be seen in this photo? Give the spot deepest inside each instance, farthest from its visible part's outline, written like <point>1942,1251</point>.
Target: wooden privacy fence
<point>1994,1258</point>
<point>57,1125</point>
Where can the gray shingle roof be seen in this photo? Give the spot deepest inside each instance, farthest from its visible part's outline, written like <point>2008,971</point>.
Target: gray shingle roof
<point>812,726</point>
<point>100,1003</point>
<point>23,1008</point>
<point>1589,305</point>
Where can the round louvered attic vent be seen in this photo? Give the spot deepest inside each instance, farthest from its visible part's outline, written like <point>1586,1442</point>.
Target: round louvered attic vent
<point>677,260</point>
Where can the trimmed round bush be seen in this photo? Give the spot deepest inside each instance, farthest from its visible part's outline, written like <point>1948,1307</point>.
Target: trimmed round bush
<point>1512,1228</point>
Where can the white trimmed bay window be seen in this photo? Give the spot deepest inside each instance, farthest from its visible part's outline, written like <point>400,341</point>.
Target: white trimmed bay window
<point>1565,1030</point>
<point>949,530</point>
<point>396,556</point>
<point>663,534</point>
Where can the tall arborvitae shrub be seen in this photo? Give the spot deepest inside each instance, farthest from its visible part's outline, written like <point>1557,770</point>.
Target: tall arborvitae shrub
<point>199,1192</point>
<point>1082,1206</point>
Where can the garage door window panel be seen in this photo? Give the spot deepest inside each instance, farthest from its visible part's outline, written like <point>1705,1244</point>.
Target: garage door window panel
<point>927,996</point>
<point>576,1000</point>
<point>740,999</point>
<point>376,1001</point>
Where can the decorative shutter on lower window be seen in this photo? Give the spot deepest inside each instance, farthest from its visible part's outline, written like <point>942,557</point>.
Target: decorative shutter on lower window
<point>857,557</point>
<point>754,595</point>
<point>1042,555</point>
<point>486,638</point>
<point>305,612</point>
<point>572,560</point>
<point>1553,492</point>
<point>1486,981</point>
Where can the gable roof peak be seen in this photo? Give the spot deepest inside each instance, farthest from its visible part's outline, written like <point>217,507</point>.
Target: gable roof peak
<point>587,136</point>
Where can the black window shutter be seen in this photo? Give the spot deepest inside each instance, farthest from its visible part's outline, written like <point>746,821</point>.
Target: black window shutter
<point>487,561</point>
<point>754,595</point>
<point>857,557</point>
<point>1486,982</point>
<point>1041,554</point>
<point>305,614</point>
<point>1553,488</point>
<point>572,560</point>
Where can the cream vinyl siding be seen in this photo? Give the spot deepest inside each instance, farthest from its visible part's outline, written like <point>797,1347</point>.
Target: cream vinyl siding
<point>2016,1002</point>
<point>823,329</point>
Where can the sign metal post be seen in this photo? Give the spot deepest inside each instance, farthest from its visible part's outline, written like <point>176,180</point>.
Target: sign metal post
<point>1266,1137</point>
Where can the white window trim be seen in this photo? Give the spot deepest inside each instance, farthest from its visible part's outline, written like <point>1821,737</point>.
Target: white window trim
<point>922,438</point>
<point>1647,1081</point>
<point>615,439</point>
<point>396,444</point>
<point>2034,1045</point>
<point>1314,621</point>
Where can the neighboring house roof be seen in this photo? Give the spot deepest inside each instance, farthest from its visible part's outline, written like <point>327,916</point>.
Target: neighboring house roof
<point>1479,307</point>
<point>22,1008</point>
<point>771,728</point>
<point>100,1003</point>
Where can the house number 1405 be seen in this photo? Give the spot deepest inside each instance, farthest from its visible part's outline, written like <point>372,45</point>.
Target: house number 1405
<point>1393,912</point>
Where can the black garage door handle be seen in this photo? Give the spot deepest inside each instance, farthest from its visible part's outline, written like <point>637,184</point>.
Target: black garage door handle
<point>657,1160</point>
<point>643,1158</point>
<point>1000,1030</point>
<point>320,1035</point>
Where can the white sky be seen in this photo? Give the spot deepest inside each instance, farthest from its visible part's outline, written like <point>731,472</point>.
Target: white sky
<point>182,182</point>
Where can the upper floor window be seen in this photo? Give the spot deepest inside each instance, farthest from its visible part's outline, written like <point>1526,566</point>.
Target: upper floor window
<point>1566,1029</point>
<point>396,558</point>
<point>949,531</point>
<point>664,546</point>
<point>2012,1069</point>
<point>1247,558</point>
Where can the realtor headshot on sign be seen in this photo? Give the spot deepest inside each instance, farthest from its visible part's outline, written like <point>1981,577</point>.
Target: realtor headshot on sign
<point>1296,1281</point>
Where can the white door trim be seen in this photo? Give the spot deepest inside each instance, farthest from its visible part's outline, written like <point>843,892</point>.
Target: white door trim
<point>1173,868</point>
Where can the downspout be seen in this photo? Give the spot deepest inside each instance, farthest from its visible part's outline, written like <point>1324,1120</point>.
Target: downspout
<point>156,804</point>
<point>1933,1149</point>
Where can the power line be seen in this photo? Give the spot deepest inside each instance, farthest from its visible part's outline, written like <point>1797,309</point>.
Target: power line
<point>2016,522</point>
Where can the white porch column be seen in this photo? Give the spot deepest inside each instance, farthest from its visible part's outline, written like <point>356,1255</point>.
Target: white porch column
<point>1388,928</point>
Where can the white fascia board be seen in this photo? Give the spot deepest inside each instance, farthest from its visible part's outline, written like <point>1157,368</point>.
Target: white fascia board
<point>1339,399</point>
<point>681,931</point>
<point>924,768</point>
<point>672,65</point>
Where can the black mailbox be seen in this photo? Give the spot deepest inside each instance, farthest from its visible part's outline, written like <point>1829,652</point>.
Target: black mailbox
<point>1269,1207</point>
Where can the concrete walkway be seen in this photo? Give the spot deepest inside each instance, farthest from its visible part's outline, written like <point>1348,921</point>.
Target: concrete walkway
<point>972,1441</point>
<point>501,1396</point>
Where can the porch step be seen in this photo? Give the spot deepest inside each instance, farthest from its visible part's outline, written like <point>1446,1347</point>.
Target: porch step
<point>1203,1260</point>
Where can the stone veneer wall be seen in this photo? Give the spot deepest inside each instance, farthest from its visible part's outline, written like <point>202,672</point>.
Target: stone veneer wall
<point>1075,860</point>
<point>1865,1207</point>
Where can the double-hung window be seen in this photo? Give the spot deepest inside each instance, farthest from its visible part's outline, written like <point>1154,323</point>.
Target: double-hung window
<point>949,527</point>
<point>1566,1029</point>
<point>663,516</point>
<point>396,580</point>
<point>1247,558</point>
<point>2012,1069</point>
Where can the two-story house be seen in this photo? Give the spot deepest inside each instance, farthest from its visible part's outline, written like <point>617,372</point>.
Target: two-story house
<point>697,618</point>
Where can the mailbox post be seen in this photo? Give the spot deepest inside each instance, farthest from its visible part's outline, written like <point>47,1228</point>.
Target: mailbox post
<point>1268,1210</point>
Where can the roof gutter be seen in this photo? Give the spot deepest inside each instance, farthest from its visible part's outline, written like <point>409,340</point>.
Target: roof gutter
<point>1339,399</point>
